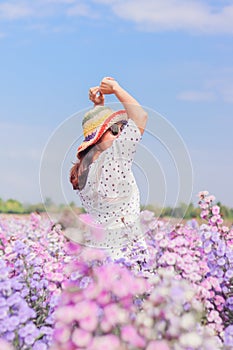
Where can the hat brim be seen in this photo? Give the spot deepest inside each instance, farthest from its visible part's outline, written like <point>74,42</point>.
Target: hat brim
<point>112,119</point>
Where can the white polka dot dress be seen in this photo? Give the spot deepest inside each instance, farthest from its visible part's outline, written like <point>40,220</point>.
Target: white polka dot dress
<point>111,195</point>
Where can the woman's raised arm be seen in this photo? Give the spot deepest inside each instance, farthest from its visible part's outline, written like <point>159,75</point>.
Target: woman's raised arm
<point>133,109</point>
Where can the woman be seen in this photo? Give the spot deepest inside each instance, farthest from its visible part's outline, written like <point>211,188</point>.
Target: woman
<point>103,175</point>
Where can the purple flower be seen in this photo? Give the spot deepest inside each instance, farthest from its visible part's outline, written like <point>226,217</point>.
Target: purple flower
<point>230,300</point>
<point>39,345</point>
<point>13,323</point>
<point>228,336</point>
<point>29,339</point>
<point>221,249</point>
<point>25,291</point>
<point>3,274</point>
<point>21,248</point>
<point>34,284</point>
<point>215,237</point>
<point>2,302</point>
<point>9,336</point>
<point>29,329</point>
<point>2,264</point>
<point>84,282</point>
<point>207,246</point>
<point>3,326</point>
<point>46,330</point>
<point>14,299</point>
<point>229,255</point>
<point>25,313</point>
<point>4,312</point>
<point>211,256</point>
<point>16,285</point>
<point>36,276</point>
<point>229,273</point>
<point>221,262</point>
<point>19,263</point>
<point>5,287</point>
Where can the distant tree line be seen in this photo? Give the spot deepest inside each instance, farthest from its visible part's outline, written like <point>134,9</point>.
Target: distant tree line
<point>12,206</point>
<point>187,211</point>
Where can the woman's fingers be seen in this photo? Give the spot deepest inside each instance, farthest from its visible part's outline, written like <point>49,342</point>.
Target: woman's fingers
<point>96,96</point>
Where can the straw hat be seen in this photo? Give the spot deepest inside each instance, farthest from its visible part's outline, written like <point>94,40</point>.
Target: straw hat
<point>96,122</point>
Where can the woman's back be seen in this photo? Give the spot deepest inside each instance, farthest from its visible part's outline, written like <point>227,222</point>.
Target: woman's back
<point>111,195</point>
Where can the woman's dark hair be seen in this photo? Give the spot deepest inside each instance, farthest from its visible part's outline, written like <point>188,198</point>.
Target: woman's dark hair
<point>80,169</point>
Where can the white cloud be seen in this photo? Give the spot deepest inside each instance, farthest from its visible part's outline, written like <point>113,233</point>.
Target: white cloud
<point>196,16</point>
<point>12,10</point>
<point>223,85</point>
<point>82,10</point>
<point>15,10</point>
<point>218,87</point>
<point>189,15</point>
<point>196,96</point>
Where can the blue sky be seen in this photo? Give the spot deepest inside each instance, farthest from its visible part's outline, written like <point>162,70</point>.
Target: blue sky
<point>174,56</point>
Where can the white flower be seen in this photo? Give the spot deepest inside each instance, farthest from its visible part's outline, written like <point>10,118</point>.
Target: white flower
<point>191,339</point>
<point>8,250</point>
<point>203,193</point>
<point>187,321</point>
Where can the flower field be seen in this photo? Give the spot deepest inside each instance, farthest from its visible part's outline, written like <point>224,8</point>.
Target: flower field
<point>57,295</point>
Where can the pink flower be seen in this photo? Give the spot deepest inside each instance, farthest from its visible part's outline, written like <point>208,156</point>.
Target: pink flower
<point>215,210</point>
<point>202,194</point>
<point>163,243</point>
<point>170,258</point>
<point>81,338</point>
<point>158,345</point>
<point>204,206</point>
<point>182,250</point>
<point>72,248</point>
<point>4,345</point>
<point>147,215</point>
<point>188,259</point>
<point>96,230</point>
<point>103,298</point>
<point>220,221</point>
<point>84,309</point>
<point>62,334</point>
<point>204,213</point>
<point>114,314</point>
<point>215,283</point>
<point>206,284</point>
<point>65,314</point>
<point>213,315</point>
<point>194,277</point>
<point>153,224</point>
<point>89,254</point>
<point>52,287</point>
<point>210,199</point>
<point>158,236</point>
<point>105,342</point>
<point>219,300</point>
<point>189,268</point>
<point>130,335</point>
<point>93,290</point>
<point>58,277</point>
<point>89,323</point>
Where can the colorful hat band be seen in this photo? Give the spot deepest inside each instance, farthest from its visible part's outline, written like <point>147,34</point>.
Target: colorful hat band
<point>96,122</point>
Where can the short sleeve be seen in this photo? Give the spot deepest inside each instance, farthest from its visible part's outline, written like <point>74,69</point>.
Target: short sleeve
<point>124,147</point>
